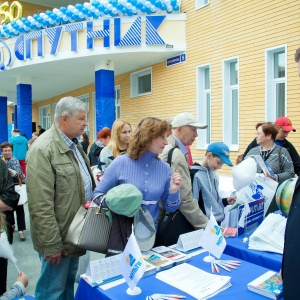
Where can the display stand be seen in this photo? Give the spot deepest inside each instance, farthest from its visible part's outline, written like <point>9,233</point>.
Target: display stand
<point>134,292</point>
<point>208,258</point>
<point>245,239</point>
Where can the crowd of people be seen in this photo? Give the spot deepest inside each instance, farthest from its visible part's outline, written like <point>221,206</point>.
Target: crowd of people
<point>155,157</point>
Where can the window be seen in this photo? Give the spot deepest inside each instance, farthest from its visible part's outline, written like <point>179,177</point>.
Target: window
<point>141,83</point>
<point>53,111</point>
<point>85,99</point>
<point>276,94</point>
<point>45,117</point>
<point>231,103</point>
<point>117,102</point>
<point>201,3</point>
<point>12,118</point>
<point>204,105</point>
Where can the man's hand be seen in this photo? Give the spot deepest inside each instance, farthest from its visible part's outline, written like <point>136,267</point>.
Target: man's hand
<point>231,200</point>
<point>55,258</point>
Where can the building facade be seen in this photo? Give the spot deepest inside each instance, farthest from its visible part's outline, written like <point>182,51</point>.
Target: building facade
<point>231,63</point>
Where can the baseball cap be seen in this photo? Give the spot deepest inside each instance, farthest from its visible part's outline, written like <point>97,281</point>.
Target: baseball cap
<point>285,123</point>
<point>222,151</point>
<point>124,199</point>
<point>184,119</point>
<point>144,229</point>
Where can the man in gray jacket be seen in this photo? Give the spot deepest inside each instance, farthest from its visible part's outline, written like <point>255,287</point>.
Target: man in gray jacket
<point>184,133</point>
<point>59,181</point>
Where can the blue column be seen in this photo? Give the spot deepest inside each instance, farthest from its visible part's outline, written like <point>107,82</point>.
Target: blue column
<point>15,116</point>
<point>3,120</point>
<point>105,98</point>
<point>24,108</point>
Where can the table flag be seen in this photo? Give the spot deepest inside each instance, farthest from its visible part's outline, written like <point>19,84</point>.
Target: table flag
<point>132,264</point>
<point>212,239</point>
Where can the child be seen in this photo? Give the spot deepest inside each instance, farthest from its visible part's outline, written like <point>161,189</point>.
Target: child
<point>18,289</point>
<point>206,181</point>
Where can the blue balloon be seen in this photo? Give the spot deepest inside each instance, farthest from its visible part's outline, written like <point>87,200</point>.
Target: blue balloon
<point>84,10</point>
<point>176,8</point>
<point>158,4</point>
<point>105,11</point>
<point>68,14</point>
<point>21,30</point>
<point>90,14</point>
<point>53,16</point>
<point>133,2</point>
<point>35,16</point>
<point>111,13</point>
<point>79,6</point>
<point>163,6</point>
<point>32,26</point>
<point>139,5</point>
<point>101,8</point>
<point>48,13</point>
<point>144,8</point>
<point>129,12</point>
<point>173,2</point>
<point>153,1</point>
<point>45,23</point>
<point>149,11</point>
<point>58,20</point>
<point>96,4</point>
<point>114,3</point>
<point>124,10</point>
<point>120,6</point>
<point>63,9</point>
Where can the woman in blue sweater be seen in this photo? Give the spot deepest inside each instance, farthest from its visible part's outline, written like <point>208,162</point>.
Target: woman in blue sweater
<point>142,168</point>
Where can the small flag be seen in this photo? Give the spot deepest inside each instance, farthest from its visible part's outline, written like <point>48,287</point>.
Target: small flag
<point>132,264</point>
<point>212,239</point>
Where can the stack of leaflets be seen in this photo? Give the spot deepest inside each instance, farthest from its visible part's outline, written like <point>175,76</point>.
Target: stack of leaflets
<point>157,260</point>
<point>172,254</point>
<point>150,269</point>
<point>194,281</point>
<point>269,236</point>
<point>268,285</point>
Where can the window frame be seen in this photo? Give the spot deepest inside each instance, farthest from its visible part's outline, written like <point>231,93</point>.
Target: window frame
<point>201,3</point>
<point>203,111</point>
<point>228,107</point>
<point>134,82</point>
<point>271,82</point>
<point>87,128</point>
<point>45,121</point>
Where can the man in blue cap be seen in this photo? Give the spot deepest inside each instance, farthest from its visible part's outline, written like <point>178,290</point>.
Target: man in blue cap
<point>206,181</point>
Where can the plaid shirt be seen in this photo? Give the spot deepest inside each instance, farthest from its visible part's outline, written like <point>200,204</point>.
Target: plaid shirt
<point>88,187</point>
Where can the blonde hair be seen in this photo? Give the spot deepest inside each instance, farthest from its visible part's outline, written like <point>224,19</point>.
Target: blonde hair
<point>114,144</point>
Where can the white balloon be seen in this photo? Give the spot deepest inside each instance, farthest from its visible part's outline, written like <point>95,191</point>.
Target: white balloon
<point>244,173</point>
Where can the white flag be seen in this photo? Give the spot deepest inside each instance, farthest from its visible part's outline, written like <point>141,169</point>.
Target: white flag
<point>212,239</point>
<point>132,263</point>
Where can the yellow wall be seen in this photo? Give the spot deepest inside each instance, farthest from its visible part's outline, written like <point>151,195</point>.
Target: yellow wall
<point>221,30</point>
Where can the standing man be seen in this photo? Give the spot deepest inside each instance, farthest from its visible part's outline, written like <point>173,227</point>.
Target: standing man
<point>59,181</point>
<point>41,130</point>
<point>291,259</point>
<point>285,125</point>
<point>20,148</point>
<point>184,133</point>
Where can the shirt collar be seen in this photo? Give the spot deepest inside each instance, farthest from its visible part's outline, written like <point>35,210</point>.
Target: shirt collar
<point>180,145</point>
<point>68,142</point>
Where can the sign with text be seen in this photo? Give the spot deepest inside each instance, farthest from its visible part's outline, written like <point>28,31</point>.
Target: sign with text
<point>254,218</point>
<point>176,60</point>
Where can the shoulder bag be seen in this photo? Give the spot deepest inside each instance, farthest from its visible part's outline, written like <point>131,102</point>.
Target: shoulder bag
<point>20,188</point>
<point>90,228</point>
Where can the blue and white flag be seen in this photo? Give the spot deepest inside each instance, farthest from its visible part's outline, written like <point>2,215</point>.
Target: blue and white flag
<point>212,239</point>
<point>132,264</point>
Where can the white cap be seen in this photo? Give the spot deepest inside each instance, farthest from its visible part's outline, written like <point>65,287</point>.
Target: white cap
<point>184,119</point>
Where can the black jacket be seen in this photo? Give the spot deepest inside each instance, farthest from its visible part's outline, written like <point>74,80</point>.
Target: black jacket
<point>94,154</point>
<point>289,147</point>
<point>291,257</point>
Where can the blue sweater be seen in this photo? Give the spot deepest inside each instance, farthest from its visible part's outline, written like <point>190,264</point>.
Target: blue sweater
<point>150,175</point>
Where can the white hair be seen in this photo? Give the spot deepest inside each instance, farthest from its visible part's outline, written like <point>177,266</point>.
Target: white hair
<point>69,106</point>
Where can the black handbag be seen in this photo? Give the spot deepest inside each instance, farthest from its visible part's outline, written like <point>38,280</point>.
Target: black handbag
<point>90,229</point>
<point>171,227</point>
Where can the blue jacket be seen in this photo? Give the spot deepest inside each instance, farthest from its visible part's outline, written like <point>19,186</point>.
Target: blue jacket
<point>20,147</point>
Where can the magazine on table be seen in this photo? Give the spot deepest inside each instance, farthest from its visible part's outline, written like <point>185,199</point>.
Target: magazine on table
<point>269,285</point>
<point>176,256</point>
<point>157,260</point>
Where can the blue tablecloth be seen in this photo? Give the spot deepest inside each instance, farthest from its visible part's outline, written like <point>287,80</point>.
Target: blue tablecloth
<point>236,248</point>
<point>150,285</point>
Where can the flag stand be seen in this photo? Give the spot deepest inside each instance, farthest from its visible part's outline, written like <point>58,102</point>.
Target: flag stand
<point>208,258</point>
<point>134,292</point>
<point>245,239</point>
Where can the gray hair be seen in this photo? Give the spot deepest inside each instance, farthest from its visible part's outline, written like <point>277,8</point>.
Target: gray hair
<point>69,106</point>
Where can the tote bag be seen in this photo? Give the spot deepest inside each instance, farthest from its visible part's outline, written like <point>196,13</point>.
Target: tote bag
<point>21,190</point>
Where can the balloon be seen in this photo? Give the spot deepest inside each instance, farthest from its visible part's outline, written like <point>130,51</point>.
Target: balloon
<point>176,8</point>
<point>244,173</point>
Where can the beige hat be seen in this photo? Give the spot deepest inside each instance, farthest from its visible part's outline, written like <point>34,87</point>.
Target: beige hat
<point>184,119</point>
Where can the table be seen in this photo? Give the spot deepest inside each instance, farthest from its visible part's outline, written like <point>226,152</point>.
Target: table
<point>236,248</point>
<point>149,285</point>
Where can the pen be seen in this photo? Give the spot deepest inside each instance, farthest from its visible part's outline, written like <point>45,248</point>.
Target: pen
<point>217,268</point>
<point>222,266</point>
<point>110,279</point>
<point>177,296</point>
<point>212,265</point>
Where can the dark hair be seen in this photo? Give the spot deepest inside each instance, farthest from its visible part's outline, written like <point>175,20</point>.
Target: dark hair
<point>269,128</point>
<point>16,130</point>
<point>5,145</point>
<point>86,138</point>
<point>297,55</point>
<point>148,129</point>
<point>104,133</point>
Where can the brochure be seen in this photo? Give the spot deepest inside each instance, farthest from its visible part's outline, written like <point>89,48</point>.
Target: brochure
<point>172,254</point>
<point>157,260</point>
<point>268,285</point>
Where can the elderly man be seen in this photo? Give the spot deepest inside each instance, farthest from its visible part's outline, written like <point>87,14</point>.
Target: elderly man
<point>59,180</point>
<point>184,133</point>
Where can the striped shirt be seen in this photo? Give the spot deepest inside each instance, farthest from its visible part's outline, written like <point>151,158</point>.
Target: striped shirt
<point>86,177</point>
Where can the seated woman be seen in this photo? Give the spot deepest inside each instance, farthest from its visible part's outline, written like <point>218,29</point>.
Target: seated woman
<point>142,167</point>
<point>276,156</point>
<point>118,144</point>
<point>14,168</point>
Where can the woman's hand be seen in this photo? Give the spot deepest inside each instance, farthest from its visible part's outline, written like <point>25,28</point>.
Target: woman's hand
<point>231,200</point>
<point>176,182</point>
<point>272,177</point>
